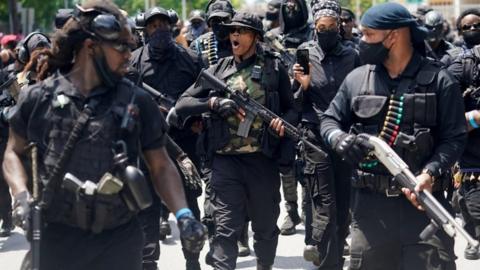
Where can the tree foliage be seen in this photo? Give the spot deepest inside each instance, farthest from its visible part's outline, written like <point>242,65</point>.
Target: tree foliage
<point>45,9</point>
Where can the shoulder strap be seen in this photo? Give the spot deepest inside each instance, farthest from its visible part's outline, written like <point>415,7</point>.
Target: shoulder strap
<point>367,87</point>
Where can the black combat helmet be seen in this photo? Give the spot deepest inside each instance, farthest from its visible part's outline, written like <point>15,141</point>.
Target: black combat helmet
<point>434,23</point>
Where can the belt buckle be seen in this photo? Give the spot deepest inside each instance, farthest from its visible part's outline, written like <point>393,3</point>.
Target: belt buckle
<point>391,195</point>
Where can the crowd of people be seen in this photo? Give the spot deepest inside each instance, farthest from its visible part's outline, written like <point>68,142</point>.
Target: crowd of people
<point>111,123</point>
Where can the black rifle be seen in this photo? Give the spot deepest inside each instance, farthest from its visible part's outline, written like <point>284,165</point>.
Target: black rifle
<point>253,109</point>
<point>439,216</point>
<point>35,230</point>
<point>164,101</point>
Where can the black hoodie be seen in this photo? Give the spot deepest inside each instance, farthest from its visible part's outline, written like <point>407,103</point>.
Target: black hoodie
<point>293,37</point>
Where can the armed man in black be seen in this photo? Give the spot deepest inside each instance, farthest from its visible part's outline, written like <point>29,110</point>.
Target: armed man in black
<point>466,69</point>
<point>294,30</point>
<point>437,45</point>
<point>90,126</point>
<point>215,45</point>
<point>170,69</point>
<point>468,27</point>
<point>413,105</point>
<point>198,26</point>
<point>327,179</point>
<point>245,175</point>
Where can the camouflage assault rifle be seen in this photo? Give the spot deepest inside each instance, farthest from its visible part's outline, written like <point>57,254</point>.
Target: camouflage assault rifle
<point>439,216</point>
<point>253,109</point>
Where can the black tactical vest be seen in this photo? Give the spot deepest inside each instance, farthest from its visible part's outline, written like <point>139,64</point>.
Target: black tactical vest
<point>404,120</point>
<point>218,135</point>
<point>91,157</point>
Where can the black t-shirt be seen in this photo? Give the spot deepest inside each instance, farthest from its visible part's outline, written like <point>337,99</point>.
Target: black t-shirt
<point>171,75</point>
<point>28,118</point>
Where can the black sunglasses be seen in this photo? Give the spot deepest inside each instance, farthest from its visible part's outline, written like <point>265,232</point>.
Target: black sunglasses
<point>240,30</point>
<point>475,26</point>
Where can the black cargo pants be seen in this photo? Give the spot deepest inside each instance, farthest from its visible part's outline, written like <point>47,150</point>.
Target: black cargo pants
<point>241,184</point>
<point>327,208</point>
<point>385,235</point>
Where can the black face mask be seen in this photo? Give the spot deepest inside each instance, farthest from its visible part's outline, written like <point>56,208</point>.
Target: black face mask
<point>327,40</point>
<point>472,37</point>
<point>373,53</point>
<point>108,76</point>
<point>161,41</point>
<point>220,32</point>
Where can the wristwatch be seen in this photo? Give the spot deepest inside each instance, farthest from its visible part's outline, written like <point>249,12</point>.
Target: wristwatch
<point>429,172</point>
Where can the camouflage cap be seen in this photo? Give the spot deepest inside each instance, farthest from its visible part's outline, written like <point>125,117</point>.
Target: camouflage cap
<point>248,20</point>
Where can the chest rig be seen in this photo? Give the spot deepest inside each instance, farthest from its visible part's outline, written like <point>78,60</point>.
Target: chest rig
<point>90,160</point>
<point>93,155</point>
<point>218,134</point>
<point>403,119</point>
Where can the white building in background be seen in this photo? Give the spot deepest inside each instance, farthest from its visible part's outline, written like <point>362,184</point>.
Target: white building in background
<point>451,9</point>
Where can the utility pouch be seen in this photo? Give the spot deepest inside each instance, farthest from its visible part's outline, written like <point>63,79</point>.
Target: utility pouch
<point>368,106</point>
<point>421,109</point>
<point>422,152</point>
<point>137,192</point>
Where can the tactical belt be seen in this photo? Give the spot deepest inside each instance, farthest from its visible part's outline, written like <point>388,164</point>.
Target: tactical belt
<point>384,184</point>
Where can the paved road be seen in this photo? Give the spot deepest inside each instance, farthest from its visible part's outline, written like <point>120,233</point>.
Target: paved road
<point>289,253</point>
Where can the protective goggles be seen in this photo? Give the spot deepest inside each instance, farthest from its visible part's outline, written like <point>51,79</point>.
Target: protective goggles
<point>104,26</point>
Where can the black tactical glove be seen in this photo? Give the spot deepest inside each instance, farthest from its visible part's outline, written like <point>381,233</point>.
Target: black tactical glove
<point>21,210</point>
<point>351,148</point>
<point>225,107</point>
<point>192,233</point>
<point>193,179</point>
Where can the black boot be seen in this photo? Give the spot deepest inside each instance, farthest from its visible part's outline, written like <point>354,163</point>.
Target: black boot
<point>7,225</point>
<point>291,220</point>
<point>243,249</point>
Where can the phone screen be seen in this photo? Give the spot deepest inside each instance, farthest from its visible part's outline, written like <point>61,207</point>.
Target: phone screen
<point>303,60</point>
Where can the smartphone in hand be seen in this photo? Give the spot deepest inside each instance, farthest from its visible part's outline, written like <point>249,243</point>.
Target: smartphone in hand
<point>303,60</point>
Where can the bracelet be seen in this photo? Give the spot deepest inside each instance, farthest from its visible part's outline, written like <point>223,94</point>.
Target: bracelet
<point>182,212</point>
<point>472,121</point>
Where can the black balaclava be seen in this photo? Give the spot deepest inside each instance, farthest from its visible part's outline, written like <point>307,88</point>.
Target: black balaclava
<point>160,43</point>
<point>292,14</point>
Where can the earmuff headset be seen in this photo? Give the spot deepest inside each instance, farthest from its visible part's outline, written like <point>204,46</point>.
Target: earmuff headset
<point>23,54</point>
